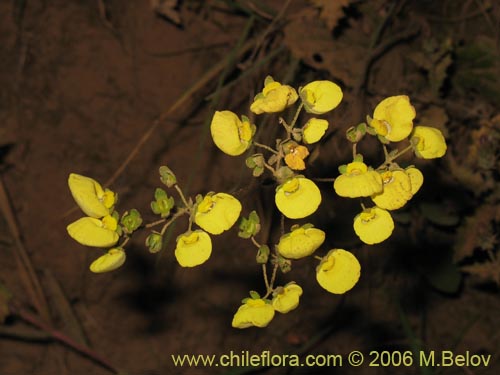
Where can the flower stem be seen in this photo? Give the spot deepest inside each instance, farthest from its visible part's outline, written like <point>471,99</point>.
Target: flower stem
<point>297,113</point>
<point>266,147</point>
<point>266,281</point>
<point>273,279</point>
<point>181,194</point>
<point>267,166</point>
<point>155,223</point>
<point>172,219</point>
<point>254,241</point>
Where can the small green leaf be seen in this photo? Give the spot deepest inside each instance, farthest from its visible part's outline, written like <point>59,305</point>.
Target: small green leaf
<point>254,294</point>
<point>263,254</point>
<point>154,242</point>
<point>167,176</point>
<point>131,221</point>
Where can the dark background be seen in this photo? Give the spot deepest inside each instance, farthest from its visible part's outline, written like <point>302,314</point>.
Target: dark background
<point>83,81</point>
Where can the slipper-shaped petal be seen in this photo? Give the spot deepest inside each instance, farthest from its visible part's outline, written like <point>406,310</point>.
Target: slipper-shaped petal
<point>110,261</point>
<point>90,196</point>
<point>338,271</point>
<point>90,231</point>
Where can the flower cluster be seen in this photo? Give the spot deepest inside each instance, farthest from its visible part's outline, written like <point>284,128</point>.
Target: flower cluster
<point>100,227</point>
<point>296,196</point>
<point>389,186</point>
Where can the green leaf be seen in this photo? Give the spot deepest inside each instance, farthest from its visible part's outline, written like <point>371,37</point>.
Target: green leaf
<point>263,254</point>
<point>131,221</point>
<point>167,176</point>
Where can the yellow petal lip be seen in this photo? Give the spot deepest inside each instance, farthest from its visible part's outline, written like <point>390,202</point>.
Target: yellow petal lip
<point>358,181</point>
<point>314,130</point>
<point>373,225</point>
<point>295,158</point>
<point>110,261</point>
<point>90,231</point>
<point>287,298</point>
<point>193,248</point>
<point>393,118</point>
<point>90,196</point>
<point>275,97</point>
<point>300,242</point>
<point>430,142</point>
<point>253,313</point>
<point>338,272</point>
<point>217,212</point>
<point>416,179</point>
<point>321,96</point>
<point>396,192</point>
<point>231,135</point>
<point>297,198</point>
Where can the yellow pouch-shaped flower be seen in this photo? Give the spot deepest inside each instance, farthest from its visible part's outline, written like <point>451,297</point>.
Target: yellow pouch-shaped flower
<point>110,261</point>
<point>90,196</point>
<point>217,212</point>
<point>314,130</point>
<point>254,312</point>
<point>230,134</point>
<point>393,118</point>
<point>90,231</point>
<point>286,298</point>
<point>358,181</point>
<point>275,97</point>
<point>301,242</point>
<point>373,225</point>
<point>320,96</point>
<point>338,271</point>
<point>298,197</point>
<point>397,190</point>
<point>429,142</point>
<point>416,179</point>
<point>193,248</point>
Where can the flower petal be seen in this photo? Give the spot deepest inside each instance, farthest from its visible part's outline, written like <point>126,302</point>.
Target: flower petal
<point>321,96</point>
<point>300,242</point>
<point>90,196</point>
<point>397,190</point>
<point>430,142</point>
<point>254,312</point>
<point>416,179</point>
<point>110,261</point>
<point>338,271</point>
<point>217,212</point>
<point>373,225</point>
<point>90,231</point>
<point>231,135</point>
<point>287,298</point>
<point>297,198</point>
<point>393,118</point>
<point>314,129</point>
<point>358,181</point>
<point>193,248</point>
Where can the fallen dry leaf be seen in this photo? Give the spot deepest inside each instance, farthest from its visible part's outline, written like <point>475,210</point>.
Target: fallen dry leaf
<point>167,9</point>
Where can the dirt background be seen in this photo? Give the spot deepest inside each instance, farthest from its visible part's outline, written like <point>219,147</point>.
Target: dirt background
<point>83,81</point>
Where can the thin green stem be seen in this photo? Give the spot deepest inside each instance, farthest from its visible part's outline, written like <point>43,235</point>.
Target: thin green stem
<point>181,194</point>
<point>389,159</point>
<point>318,257</point>
<point>354,145</point>
<point>267,166</point>
<point>266,147</point>
<point>125,241</point>
<point>266,280</point>
<point>254,241</point>
<point>297,113</point>
<point>273,279</point>
<point>155,223</point>
<point>172,219</point>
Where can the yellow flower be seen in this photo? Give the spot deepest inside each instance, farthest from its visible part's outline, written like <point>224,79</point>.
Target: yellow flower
<point>231,135</point>
<point>298,197</point>
<point>110,261</point>
<point>393,118</point>
<point>286,298</point>
<point>301,242</point>
<point>90,196</point>
<point>217,212</point>
<point>338,271</point>
<point>275,97</point>
<point>397,190</point>
<point>429,142</point>
<point>193,248</point>
<point>90,231</point>
<point>295,157</point>
<point>254,312</point>
<point>314,129</point>
<point>373,225</point>
<point>416,179</point>
<point>358,181</point>
<point>320,96</point>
